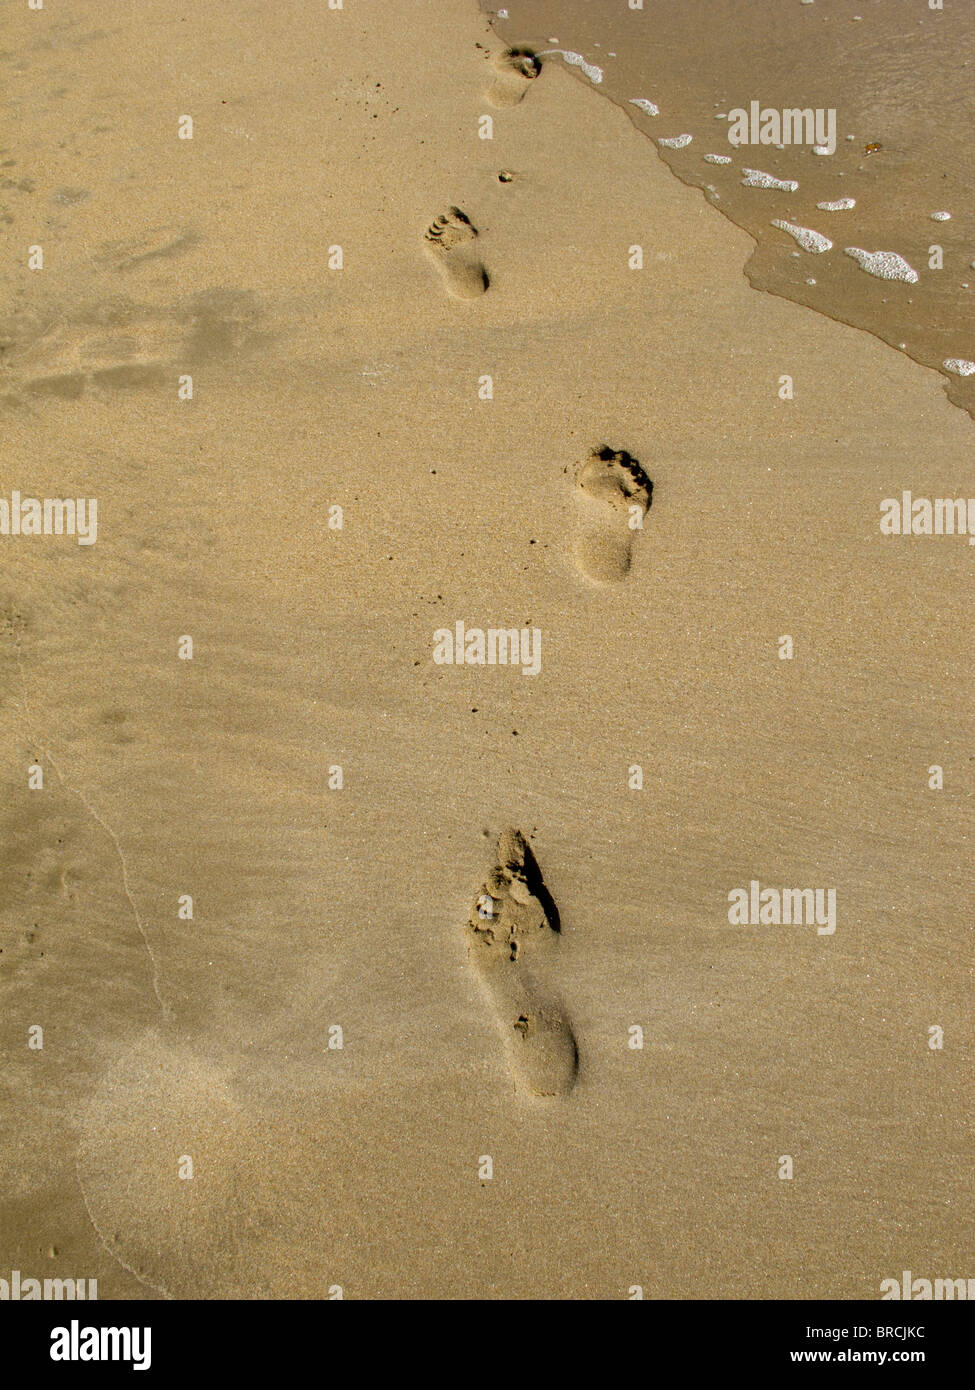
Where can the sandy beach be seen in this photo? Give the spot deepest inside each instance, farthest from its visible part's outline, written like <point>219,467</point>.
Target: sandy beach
<point>426,962</point>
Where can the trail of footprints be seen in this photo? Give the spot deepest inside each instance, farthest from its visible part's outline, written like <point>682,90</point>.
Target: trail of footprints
<point>514,926</point>
<point>613,493</point>
<point>450,237</point>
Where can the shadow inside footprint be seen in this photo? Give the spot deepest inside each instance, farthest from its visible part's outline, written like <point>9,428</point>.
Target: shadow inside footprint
<point>514,927</point>
<point>613,496</point>
<point>532,875</point>
<point>450,244</point>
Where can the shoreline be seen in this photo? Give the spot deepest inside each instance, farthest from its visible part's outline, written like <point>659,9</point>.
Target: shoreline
<point>898,197</point>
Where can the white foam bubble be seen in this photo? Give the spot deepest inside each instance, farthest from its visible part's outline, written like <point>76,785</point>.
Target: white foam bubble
<point>718,158</point>
<point>959,366</point>
<point>809,240</point>
<point>754,178</point>
<point>941,217</point>
<point>675,142</point>
<point>649,107</point>
<point>840,205</point>
<point>575,60</point>
<point>886,265</point>
<point>821,149</point>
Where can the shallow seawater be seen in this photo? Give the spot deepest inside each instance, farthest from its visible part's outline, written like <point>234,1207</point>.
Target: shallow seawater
<point>882,168</point>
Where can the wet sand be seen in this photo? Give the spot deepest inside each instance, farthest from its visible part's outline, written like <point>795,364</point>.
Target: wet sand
<point>898,77</point>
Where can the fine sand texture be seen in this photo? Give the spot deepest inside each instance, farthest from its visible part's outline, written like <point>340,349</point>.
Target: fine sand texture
<point>363,973</point>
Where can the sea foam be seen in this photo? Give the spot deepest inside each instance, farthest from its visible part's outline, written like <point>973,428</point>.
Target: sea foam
<point>675,142</point>
<point>886,265</point>
<point>576,60</point>
<point>840,205</point>
<point>806,237</point>
<point>649,107</point>
<point>959,366</point>
<point>754,178</point>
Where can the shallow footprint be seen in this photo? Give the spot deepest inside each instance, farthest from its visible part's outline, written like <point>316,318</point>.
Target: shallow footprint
<point>613,496</point>
<point>512,72</point>
<point>450,245</point>
<point>513,925</point>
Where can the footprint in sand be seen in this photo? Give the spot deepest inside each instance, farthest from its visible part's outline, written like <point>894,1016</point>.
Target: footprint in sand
<point>613,495</point>
<point>512,71</point>
<point>155,244</point>
<point>117,344</point>
<point>450,245</point>
<point>68,357</point>
<point>514,924</point>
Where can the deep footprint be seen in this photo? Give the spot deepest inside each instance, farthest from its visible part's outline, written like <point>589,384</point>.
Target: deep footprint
<point>613,496</point>
<point>514,926</point>
<point>512,73</point>
<point>450,244</point>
